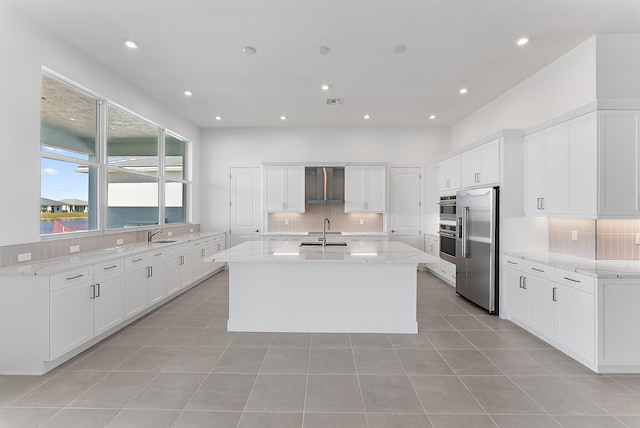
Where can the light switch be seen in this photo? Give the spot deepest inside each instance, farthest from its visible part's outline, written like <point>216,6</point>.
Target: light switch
<point>286,222</point>
<point>574,235</point>
<point>74,248</point>
<point>361,222</point>
<point>169,233</point>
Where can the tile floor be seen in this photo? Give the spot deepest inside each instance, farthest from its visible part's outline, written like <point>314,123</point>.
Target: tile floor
<point>178,367</point>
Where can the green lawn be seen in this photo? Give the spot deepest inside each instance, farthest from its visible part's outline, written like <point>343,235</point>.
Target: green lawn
<point>63,216</point>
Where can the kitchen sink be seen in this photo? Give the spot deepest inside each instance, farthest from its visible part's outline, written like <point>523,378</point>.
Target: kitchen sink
<point>164,241</point>
<point>326,233</point>
<point>319,244</point>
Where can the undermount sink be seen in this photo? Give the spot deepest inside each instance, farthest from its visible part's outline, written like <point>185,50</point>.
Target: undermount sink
<point>326,233</point>
<point>319,244</point>
<point>164,241</point>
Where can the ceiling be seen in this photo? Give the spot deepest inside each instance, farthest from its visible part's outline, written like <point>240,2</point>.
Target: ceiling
<point>197,45</point>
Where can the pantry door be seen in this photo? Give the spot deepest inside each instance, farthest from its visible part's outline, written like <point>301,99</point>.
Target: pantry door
<point>245,194</point>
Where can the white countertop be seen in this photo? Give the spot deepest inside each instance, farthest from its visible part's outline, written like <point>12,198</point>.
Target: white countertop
<point>329,234</point>
<point>59,264</point>
<point>292,252</point>
<point>595,268</point>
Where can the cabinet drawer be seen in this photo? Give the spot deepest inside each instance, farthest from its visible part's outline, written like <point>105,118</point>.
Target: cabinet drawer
<point>71,277</point>
<point>137,260</point>
<point>156,255</point>
<point>539,269</point>
<point>197,244</point>
<point>575,280</point>
<point>514,262</point>
<point>107,268</point>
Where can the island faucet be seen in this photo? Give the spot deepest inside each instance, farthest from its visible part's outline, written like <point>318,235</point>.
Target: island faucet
<point>151,234</point>
<point>326,223</point>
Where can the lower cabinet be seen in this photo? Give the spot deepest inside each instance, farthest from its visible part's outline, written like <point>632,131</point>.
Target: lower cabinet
<point>108,305</point>
<point>514,292</point>
<point>540,304</point>
<point>575,320</point>
<point>136,298</point>
<point>157,281</point>
<point>71,318</point>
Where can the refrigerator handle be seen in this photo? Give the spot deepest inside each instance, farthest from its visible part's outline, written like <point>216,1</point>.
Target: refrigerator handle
<point>464,232</point>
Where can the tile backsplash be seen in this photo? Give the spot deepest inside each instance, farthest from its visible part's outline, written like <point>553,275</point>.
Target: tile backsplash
<point>311,220</point>
<point>51,248</point>
<point>602,239</point>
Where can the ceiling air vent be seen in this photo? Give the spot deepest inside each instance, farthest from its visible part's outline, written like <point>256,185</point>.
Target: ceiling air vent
<point>334,101</point>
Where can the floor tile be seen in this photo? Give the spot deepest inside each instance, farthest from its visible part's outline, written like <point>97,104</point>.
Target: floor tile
<point>469,362</point>
<point>210,337</point>
<point>444,394</point>
<point>159,319</point>
<point>515,362</point>
<point>377,361</point>
<point>240,360</point>
<point>631,382</point>
<point>13,387</point>
<point>169,391</point>
<point>448,339</point>
<point>462,421</point>
<point>25,418</point>
<point>286,361</point>
<point>114,391</point>
<point>333,393</point>
<point>81,418</point>
<point>330,340</point>
<point>389,394</point>
<point>277,393</point>
<point>270,420</point>
<point>423,362</point>
<point>331,361</point>
<point>555,396</point>
<point>130,418</point>
<point>174,336</point>
<point>558,363</point>
<point>499,395</point>
<point>222,392</point>
<point>61,390</point>
<point>135,336</point>
<point>290,340</point>
<point>150,358</point>
<point>523,339</point>
<point>194,319</point>
<point>251,340</point>
<point>630,421</point>
<point>488,339</point>
<point>334,420</point>
<point>195,359</point>
<point>433,322</point>
<point>465,322</point>
<point>396,420</point>
<point>525,421</point>
<point>589,422</point>
<point>497,323</point>
<point>207,419</point>
<point>409,341</point>
<point>606,393</point>
<point>106,358</point>
<point>364,340</point>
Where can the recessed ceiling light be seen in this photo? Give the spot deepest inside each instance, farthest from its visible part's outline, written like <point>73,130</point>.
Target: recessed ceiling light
<point>188,93</point>
<point>323,50</point>
<point>399,49</point>
<point>249,50</point>
<point>131,44</point>
<point>367,117</point>
<point>283,117</point>
<point>464,90</point>
<point>522,41</point>
<point>72,118</point>
<point>218,117</point>
<point>433,116</point>
<point>325,87</point>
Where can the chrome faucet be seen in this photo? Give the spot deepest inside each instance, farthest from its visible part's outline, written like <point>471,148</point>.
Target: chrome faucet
<point>326,223</point>
<point>151,234</point>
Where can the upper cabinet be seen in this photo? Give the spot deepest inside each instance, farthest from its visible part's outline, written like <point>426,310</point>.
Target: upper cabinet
<point>585,167</point>
<point>284,188</point>
<point>365,188</point>
<point>449,175</point>
<point>619,168</point>
<point>480,166</point>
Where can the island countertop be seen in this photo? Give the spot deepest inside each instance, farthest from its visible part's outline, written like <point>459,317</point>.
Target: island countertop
<point>293,252</point>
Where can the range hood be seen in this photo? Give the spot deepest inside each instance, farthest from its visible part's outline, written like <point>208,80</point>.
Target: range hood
<point>324,185</point>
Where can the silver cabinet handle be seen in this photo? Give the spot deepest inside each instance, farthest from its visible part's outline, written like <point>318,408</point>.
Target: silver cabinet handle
<point>148,271</point>
<point>202,252</point>
<point>111,267</point>
<point>75,277</point>
<point>513,263</point>
<point>136,260</point>
<point>520,281</point>
<point>181,260</point>
<point>571,279</point>
<point>157,254</point>
<point>98,290</point>
<point>554,295</point>
<point>93,291</point>
<point>477,177</point>
<point>537,270</point>
<point>524,282</point>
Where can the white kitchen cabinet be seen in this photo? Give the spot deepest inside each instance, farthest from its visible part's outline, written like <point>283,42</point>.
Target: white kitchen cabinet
<point>514,289</point>
<point>449,175</point>
<point>136,275</point>
<point>157,281</point>
<point>619,163</point>
<point>575,319</point>
<point>540,304</point>
<point>108,305</point>
<point>284,188</point>
<point>71,317</point>
<point>212,245</point>
<point>365,188</point>
<point>583,166</point>
<point>480,166</point>
<point>175,267</point>
<point>534,173</point>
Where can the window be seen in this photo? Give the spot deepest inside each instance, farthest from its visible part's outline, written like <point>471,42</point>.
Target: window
<point>134,173</point>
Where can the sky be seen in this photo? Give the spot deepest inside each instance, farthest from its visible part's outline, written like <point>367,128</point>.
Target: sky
<point>60,181</point>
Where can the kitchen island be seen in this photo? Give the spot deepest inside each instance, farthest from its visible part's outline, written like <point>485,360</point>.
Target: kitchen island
<point>360,287</point>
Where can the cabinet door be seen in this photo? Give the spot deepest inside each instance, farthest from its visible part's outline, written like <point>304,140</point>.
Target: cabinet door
<point>575,320</point>
<point>515,295</point>
<point>490,163</point>
<point>175,263</point>
<point>275,185</point>
<point>376,189</point>
<point>619,142</point>
<point>192,270</point>
<point>470,165</point>
<point>556,161</point>
<point>444,171</point>
<point>108,307</point>
<point>135,290</point>
<point>534,176</point>
<point>540,305</point>
<point>583,165</point>
<point>71,318</point>
<point>454,173</point>
<point>295,189</point>
<point>354,188</point>
<point>157,281</point>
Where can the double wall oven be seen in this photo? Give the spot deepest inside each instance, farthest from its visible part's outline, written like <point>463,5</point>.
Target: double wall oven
<point>447,230</point>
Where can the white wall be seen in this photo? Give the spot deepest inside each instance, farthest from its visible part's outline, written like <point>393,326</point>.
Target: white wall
<point>24,49</point>
<point>618,66</point>
<point>565,84</point>
<point>222,148</point>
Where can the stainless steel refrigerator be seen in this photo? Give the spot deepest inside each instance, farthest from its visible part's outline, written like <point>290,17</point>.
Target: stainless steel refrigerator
<point>477,246</point>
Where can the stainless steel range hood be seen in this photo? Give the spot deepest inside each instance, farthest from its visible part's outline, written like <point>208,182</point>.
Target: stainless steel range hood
<point>324,185</point>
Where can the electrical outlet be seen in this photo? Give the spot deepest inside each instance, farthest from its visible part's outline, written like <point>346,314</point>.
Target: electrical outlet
<point>191,230</point>
<point>169,233</point>
<point>119,241</point>
<point>286,222</point>
<point>361,222</point>
<point>637,238</point>
<point>574,235</point>
<point>24,257</point>
<point>74,248</point>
